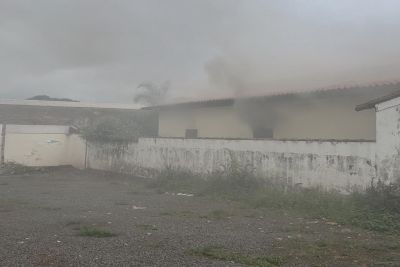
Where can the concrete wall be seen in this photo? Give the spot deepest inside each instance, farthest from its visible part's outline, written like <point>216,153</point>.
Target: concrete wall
<point>211,122</point>
<point>76,151</point>
<point>388,140</point>
<point>338,165</point>
<point>325,118</point>
<point>329,118</point>
<point>41,145</point>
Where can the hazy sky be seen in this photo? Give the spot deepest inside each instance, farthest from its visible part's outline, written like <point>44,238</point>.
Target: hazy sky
<point>100,50</point>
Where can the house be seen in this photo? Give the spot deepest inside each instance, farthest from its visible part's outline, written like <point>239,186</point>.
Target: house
<point>41,112</point>
<point>306,115</point>
<point>79,114</point>
<point>387,158</point>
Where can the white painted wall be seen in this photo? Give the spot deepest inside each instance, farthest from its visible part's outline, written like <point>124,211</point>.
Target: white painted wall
<point>76,151</point>
<point>43,145</point>
<point>333,165</point>
<point>325,118</point>
<point>211,122</point>
<point>388,140</point>
<point>36,149</point>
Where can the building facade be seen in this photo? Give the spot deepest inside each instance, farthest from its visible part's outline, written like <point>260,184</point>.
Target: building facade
<point>313,115</point>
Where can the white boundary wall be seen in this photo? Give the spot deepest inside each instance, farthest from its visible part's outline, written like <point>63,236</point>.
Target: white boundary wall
<point>333,165</point>
<point>43,145</point>
<point>388,140</point>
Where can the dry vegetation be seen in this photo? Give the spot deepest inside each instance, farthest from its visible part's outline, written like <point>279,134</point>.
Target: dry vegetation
<point>376,209</point>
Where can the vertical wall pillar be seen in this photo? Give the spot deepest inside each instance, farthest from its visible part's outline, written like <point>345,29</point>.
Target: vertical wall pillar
<point>388,140</point>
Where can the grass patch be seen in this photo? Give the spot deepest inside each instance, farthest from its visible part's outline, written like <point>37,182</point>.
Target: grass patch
<point>377,209</point>
<point>355,209</point>
<point>334,251</point>
<point>219,253</point>
<point>95,232</point>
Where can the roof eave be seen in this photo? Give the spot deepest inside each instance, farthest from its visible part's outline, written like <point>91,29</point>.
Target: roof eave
<point>371,104</point>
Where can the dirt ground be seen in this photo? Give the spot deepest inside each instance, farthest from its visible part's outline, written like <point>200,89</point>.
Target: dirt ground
<point>42,216</point>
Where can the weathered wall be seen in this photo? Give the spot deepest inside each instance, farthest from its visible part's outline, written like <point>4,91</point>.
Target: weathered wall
<point>36,149</point>
<point>41,145</point>
<point>76,151</point>
<point>211,122</point>
<point>388,140</point>
<point>338,165</point>
<point>326,118</point>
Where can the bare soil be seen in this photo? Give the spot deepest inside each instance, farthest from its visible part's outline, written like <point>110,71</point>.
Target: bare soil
<point>66,217</point>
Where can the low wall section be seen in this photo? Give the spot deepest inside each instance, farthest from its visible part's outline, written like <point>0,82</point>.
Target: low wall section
<point>335,165</point>
<point>43,145</point>
<point>388,140</point>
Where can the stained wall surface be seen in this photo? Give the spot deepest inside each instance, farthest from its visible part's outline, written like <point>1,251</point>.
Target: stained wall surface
<point>333,165</point>
<point>388,140</point>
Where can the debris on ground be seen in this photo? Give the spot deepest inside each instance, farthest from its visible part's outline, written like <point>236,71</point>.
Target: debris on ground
<point>185,194</point>
<point>138,208</point>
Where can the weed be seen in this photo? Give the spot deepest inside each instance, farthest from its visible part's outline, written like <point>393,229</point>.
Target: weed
<point>377,209</point>
<point>94,232</point>
<point>219,253</point>
<point>354,209</point>
<point>177,180</point>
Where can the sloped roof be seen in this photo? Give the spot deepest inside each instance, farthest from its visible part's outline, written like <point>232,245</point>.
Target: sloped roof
<point>376,101</point>
<point>70,104</point>
<point>280,94</point>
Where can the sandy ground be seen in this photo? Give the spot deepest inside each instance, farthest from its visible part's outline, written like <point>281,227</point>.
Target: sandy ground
<point>41,215</point>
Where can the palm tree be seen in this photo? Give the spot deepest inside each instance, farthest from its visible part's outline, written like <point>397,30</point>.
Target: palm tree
<point>151,93</point>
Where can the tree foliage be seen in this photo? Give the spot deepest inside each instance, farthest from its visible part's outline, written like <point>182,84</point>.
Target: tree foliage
<point>121,129</point>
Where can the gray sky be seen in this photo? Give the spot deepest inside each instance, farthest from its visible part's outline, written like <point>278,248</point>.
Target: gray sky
<point>100,50</point>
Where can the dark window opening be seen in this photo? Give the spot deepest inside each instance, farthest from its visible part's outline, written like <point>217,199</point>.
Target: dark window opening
<point>191,133</point>
<point>263,132</point>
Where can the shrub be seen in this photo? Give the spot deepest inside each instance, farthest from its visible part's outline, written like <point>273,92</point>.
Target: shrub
<point>120,129</point>
<point>384,196</point>
<point>234,181</point>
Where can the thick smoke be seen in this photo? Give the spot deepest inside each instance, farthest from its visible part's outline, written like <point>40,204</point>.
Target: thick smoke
<point>99,50</point>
